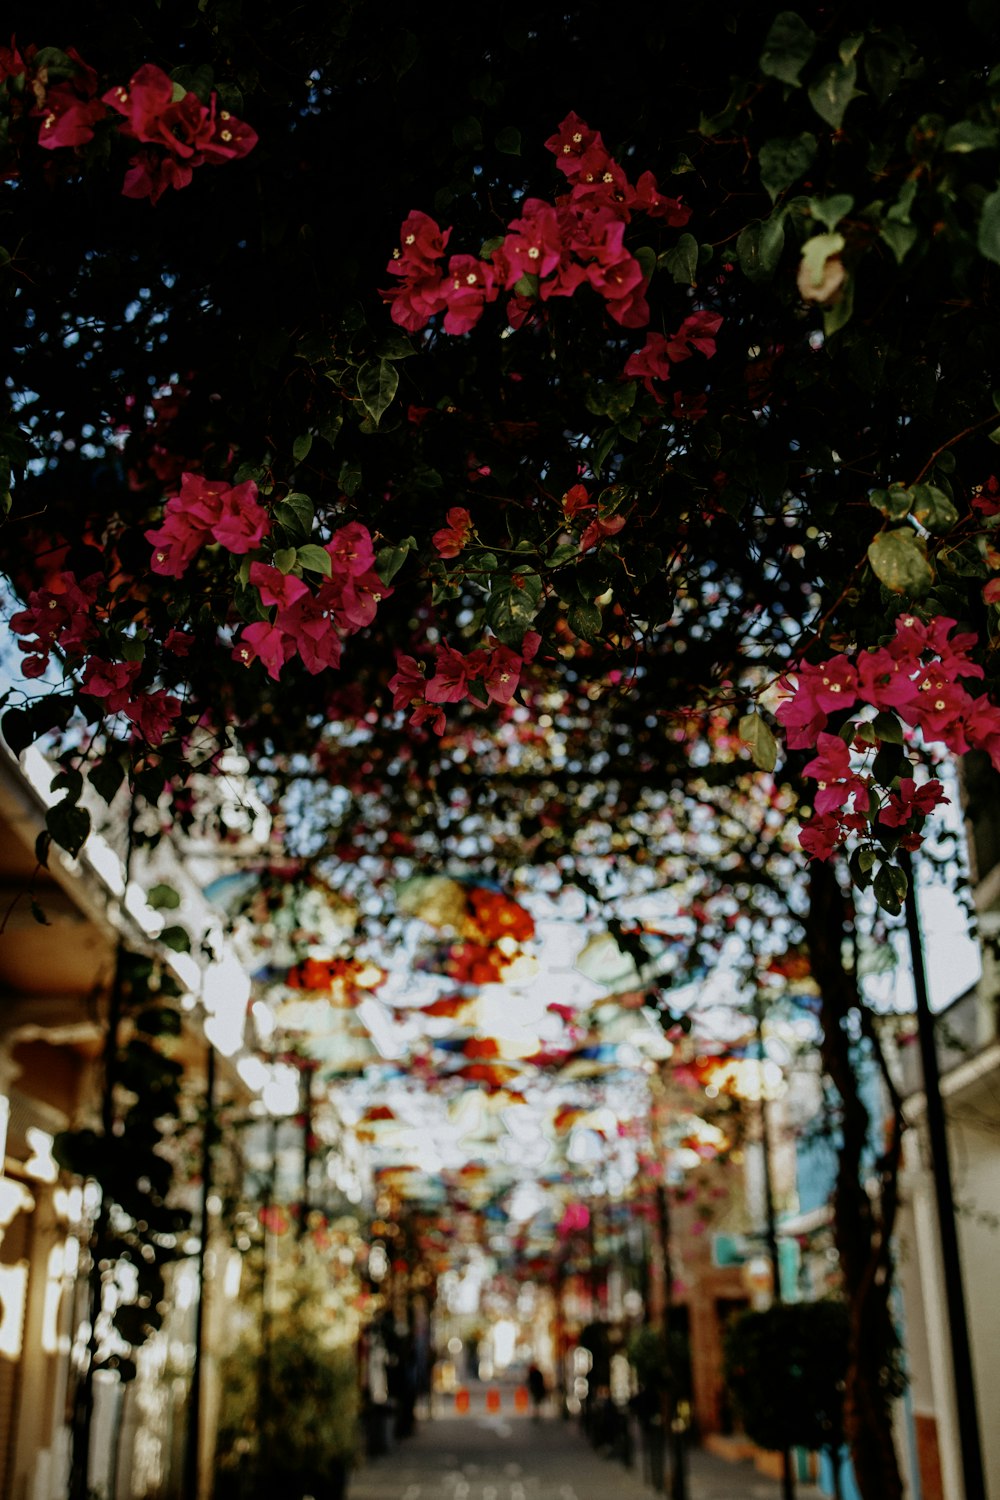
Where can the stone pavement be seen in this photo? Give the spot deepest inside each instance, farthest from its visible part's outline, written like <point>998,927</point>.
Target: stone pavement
<point>507,1456</point>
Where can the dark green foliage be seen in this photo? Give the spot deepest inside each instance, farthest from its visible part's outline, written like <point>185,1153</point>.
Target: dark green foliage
<point>785,1369</point>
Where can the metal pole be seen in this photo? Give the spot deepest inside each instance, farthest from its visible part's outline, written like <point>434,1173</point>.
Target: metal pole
<point>770,1221</point>
<point>958,1326</point>
<point>678,1467</point>
<point>307,1124</point>
<point>192,1457</point>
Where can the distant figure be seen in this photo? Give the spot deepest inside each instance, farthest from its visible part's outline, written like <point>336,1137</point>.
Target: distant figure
<point>538,1389</point>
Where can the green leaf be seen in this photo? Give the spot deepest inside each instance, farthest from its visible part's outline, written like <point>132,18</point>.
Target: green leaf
<point>378,380</point>
<point>894,502</point>
<point>527,285</point>
<point>993,436</point>
<point>789,45</point>
<point>784,160</point>
<point>759,740</point>
<point>389,560</point>
<point>815,254</point>
<point>106,777</point>
<point>284,559</point>
<point>467,133</point>
<point>646,256</point>
<point>513,603</point>
<point>713,124</point>
<point>163,898</point>
<point>888,728</point>
<point>176,938</point>
<point>860,869</point>
<point>599,449</point>
<point>70,781</point>
<point>833,91</point>
<point>682,260</point>
<point>900,237</point>
<point>69,825</point>
<point>890,888</point>
<point>933,508</point>
<point>295,513</point>
<point>18,727</point>
<point>508,140</point>
<point>988,239</point>
<point>349,478</point>
<point>836,315</point>
<point>899,560</point>
<point>396,345</point>
<point>830,211</point>
<point>301,446</point>
<point>759,248</point>
<point>315,559</point>
<point>585,620</point>
<point>968,136</point>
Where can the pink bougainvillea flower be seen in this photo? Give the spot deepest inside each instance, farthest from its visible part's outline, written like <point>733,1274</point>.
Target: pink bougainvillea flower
<point>452,539</point>
<point>912,801</point>
<point>599,530</point>
<point>110,681</point>
<point>571,141</point>
<point>275,587</point>
<point>267,643</point>
<point>60,615</point>
<point>832,769</point>
<point>188,133</point>
<point>243,524</point>
<point>696,333</point>
<point>502,673</point>
<point>650,200</point>
<point>650,363</point>
<point>468,285</point>
<point>409,683</point>
<point>575,501</point>
<point>428,713</point>
<point>152,714</point>
<point>351,550</point>
<point>452,670</point>
<point>534,246</point>
<point>422,244</point>
<point>178,642</point>
<point>821,836</point>
<point>360,599</point>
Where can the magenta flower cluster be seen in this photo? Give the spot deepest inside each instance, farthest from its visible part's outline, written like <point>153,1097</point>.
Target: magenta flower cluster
<point>574,242</point>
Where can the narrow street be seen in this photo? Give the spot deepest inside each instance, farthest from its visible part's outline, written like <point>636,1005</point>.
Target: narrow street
<point>507,1456</point>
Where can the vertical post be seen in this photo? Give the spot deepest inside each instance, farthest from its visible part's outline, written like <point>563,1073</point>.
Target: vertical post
<point>770,1221</point>
<point>958,1326</point>
<point>307,1124</point>
<point>83,1396</point>
<point>264,1373</point>
<point>678,1466</point>
<point>192,1456</point>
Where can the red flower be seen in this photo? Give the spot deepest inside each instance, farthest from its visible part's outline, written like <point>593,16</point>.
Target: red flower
<point>422,244</point>
<point>282,589</point>
<point>243,524</point>
<point>408,684</point>
<point>452,539</point>
<point>650,363</point>
<point>599,529</point>
<point>450,683</point>
<point>911,801</point>
<point>111,681</point>
<point>821,836</point>
<point>467,287</point>
<point>832,769</point>
<point>266,643</point>
<point>575,501</point>
<point>570,142</point>
<point>152,714</point>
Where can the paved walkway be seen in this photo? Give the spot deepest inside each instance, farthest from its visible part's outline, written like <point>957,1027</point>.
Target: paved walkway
<point>506,1456</point>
